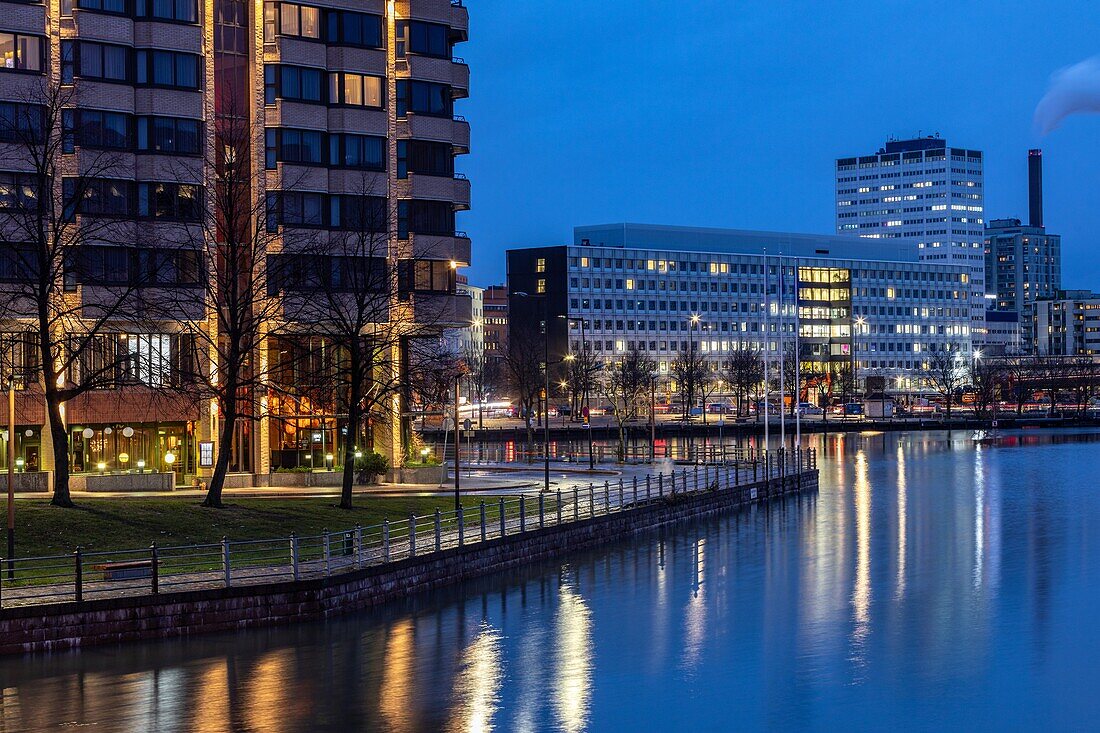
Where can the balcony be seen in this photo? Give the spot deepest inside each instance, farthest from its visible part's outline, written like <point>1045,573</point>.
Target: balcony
<point>432,247</point>
<point>442,310</point>
<point>438,188</point>
<point>460,78</point>
<point>460,22</point>
<point>446,129</point>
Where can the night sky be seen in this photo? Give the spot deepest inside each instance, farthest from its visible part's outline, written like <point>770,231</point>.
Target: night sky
<point>730,114</point>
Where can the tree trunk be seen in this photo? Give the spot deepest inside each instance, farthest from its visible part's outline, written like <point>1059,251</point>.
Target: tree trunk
<point>348,479</point>
<point>60,439</point>
<point>225,444</point>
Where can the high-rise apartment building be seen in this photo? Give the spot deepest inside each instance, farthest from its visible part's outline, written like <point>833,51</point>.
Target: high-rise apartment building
<point>351,111</point>
<point>924,191</point>
<point>1023,262</point>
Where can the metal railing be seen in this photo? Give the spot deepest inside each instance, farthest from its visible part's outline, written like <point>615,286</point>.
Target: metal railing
<point>82,575</point>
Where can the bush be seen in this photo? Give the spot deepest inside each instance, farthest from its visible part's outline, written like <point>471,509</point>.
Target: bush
<point>373,464</point>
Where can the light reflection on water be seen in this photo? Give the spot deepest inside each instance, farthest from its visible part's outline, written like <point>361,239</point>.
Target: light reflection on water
<point>929,584</point>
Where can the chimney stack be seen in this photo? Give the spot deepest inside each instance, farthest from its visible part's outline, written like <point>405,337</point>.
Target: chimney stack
<point>1035,187</point>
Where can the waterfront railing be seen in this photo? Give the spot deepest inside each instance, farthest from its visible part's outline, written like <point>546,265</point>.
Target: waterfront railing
<point>84,575</point>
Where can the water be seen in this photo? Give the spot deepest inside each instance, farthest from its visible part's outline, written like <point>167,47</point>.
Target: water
<point>929,584</point>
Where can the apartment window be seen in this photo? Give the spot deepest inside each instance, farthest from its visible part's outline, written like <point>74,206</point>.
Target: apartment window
<point>18,262</point>
<point>423,39</point>
<point>426,276</point>
<point>318,210</point>
<point>169,201</point>
<point>169,135</point>
<point>293,146</point>
<point>136,266</point>
<point>425,158</point>
<point>115,7</point>
<point>293,83</point>
<point>355,90</point>
<point>182,11</point>
<point>540,285</point>
<point>22,52</point>
<point>415,216</point>
<point>364,152</point>
<point>358,213</point>
<point>91,128</point>
<point>291,19</point>
<point>540,264</point>
<point>424,97</point>
<point>98,196</point>
<point>18,192</point>
<point>306,273</point>
<point>97,61</point>
<point>346,28</point>
<point>167,69</point>
<point>22,123</point>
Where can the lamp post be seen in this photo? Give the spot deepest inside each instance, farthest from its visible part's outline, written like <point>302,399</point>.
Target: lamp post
<point>691,365</point>
<point>11,477</point>
<point>860,323</point>
<point>653,418</point>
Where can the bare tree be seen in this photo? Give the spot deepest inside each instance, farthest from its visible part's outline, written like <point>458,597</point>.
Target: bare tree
<point>944,373</point>
<point>482,380</point>
<point>582,373</point>
<point>986,379</point>
<point>625,384</point>
<point>523,363</point>
<point>743,371</point>
<point>690,370</point>
<point>232,314</point>
<point>72,276</point>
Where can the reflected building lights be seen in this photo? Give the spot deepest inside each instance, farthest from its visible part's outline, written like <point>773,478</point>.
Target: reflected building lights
<point>270,696</point>
<point>861,592</point>
<point>572,684</point>
<point>979,516</point>
<point>903,523</point>
<point>211,699</point>
<point>395,702</point>
<point>695,613</point>
<point>477,684</point>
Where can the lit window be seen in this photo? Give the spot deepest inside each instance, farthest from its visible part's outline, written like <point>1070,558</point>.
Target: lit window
<point>540,285</point>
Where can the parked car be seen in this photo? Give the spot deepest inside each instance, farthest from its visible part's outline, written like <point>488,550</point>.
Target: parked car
<point>807,408</point>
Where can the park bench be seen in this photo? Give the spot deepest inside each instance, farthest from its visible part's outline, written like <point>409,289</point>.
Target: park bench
<point>125,570</point>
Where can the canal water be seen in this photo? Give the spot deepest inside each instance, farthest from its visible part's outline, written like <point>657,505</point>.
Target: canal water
<point>931,584</point>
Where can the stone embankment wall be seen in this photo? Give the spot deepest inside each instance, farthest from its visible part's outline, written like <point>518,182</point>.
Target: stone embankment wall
<point>109,621</point>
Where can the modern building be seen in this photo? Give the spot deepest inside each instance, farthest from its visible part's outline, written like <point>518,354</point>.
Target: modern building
<point>495,319</point>
<point>1023,262</point>
<point>1068,324</point>
<point>351,107</point>
<point>1002,335</point>
<point>663,290</point>
<point>922,191</point>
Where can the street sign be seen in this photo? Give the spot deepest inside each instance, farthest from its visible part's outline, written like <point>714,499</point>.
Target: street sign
<point>467,424</point>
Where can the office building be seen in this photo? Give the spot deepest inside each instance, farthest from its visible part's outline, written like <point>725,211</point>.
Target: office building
<point>663,290</point>
<point>1068,324</point>
<point>351,110</point>
<point>1023,262</point>
<point>923,191</point>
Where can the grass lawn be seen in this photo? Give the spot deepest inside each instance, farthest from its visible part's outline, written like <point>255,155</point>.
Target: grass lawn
<point>134,523</point>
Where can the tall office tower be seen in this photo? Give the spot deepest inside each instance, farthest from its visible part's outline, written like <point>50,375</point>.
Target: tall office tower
<point>924,191</point>
<point>1023,262</point>
<point>349,109</point>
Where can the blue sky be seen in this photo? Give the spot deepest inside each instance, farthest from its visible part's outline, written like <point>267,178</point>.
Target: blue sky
<point>718,113</point>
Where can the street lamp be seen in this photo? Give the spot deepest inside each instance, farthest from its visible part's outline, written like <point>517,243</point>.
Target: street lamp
<point>585,403</point>
<point>11,477</point>
<point>860,323</point>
